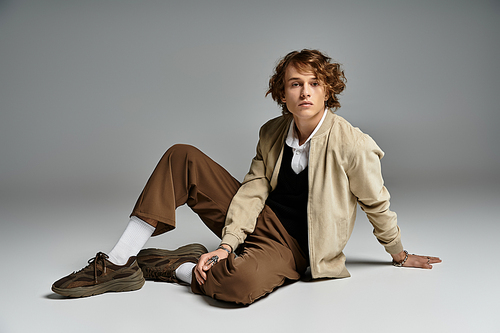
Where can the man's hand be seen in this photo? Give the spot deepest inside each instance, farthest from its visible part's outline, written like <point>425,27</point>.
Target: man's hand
<point>203,265</point>
<point>414,260</point>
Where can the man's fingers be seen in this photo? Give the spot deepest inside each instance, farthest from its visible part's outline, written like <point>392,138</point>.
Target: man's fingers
<point>200,275</point>
<point>422,261</point>
<point>198,271</point>
<point>199,279</point>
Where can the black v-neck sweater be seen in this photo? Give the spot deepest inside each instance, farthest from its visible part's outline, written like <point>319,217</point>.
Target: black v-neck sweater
<point>289,200</point>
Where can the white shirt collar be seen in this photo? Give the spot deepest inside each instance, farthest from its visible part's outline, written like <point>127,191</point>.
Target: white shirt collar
<point>292,139</point>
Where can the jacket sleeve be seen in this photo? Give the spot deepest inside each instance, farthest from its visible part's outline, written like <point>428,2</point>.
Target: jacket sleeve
<point>248,202</point>
<point>367,184</point>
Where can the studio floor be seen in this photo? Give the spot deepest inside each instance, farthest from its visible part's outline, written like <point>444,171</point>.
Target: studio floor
<point>44,237</point>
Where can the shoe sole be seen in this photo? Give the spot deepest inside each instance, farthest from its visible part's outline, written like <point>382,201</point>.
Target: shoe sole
<point>190,249</point>
<point>130,283</point>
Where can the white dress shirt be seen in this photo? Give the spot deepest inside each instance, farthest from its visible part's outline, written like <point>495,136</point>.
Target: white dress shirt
<point>300,158</point>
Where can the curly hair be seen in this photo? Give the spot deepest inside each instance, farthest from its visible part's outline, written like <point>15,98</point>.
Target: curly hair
<point>329,74</point>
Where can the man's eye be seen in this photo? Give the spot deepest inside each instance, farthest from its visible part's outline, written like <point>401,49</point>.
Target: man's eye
<point>315,84</point>
<point>295,84</point>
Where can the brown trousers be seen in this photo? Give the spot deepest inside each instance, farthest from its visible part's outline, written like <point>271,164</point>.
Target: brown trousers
<point>265,260</point>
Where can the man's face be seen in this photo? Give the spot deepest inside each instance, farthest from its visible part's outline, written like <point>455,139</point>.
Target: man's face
<point>304,95</point>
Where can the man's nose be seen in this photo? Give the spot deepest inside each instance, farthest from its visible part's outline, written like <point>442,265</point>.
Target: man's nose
<point>306,91</point>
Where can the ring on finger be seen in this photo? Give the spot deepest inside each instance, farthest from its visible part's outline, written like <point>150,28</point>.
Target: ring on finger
<point>213,260</point>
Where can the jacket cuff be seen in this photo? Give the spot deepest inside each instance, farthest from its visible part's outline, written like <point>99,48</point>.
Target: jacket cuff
<point>394,248</point>
<point>230,240</point>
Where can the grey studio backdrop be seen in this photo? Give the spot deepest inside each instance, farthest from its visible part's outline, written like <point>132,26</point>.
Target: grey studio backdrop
<point>93,92</point>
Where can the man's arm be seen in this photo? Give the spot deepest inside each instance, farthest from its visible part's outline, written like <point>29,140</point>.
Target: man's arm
<point>248,202</point>
<point>367,185</point>
<point>242,214</point>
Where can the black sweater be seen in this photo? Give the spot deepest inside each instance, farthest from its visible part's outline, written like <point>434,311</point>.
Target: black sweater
<point>289,200</point>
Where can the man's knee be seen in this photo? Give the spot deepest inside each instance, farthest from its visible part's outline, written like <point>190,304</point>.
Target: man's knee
<point>182,149</point>
<point>243,285</point>
<point>182,152</point>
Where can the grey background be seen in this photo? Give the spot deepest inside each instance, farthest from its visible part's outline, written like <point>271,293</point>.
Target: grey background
<point>93,92</point>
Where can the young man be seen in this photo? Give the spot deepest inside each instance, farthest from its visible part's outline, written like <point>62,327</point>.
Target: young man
<point>295,208</point>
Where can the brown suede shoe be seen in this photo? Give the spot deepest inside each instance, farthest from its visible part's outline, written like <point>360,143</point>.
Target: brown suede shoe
<point>160,265</point>
<point>100,276</point>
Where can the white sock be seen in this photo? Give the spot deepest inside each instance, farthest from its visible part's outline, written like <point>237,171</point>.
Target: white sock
<point>185,272</point>
<point>131,242</point>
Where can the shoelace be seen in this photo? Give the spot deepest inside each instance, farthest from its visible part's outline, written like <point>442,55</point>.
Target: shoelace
<point>98,257</point>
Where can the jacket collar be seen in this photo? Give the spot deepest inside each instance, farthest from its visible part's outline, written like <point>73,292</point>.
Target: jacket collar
<point>326,126</point>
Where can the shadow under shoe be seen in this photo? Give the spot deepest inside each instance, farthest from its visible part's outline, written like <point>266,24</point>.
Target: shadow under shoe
<point>101,276</point>
<point>160,265</point>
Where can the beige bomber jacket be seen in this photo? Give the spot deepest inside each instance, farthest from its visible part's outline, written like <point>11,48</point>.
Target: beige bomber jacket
<point>344,170</point>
